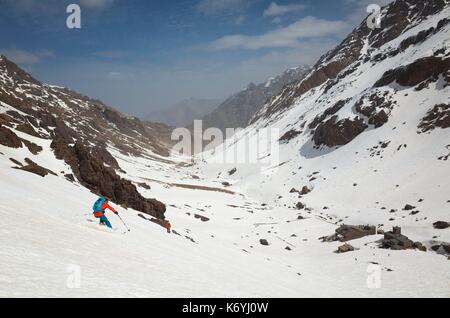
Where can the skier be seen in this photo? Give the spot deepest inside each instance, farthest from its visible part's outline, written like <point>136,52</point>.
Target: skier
<point>99,211</point>
<point>168,226</point>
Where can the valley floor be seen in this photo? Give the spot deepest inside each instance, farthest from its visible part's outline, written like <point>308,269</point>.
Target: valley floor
<point>49,248</point>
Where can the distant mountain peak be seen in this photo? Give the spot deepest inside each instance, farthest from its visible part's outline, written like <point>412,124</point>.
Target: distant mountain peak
<point>237,110</point>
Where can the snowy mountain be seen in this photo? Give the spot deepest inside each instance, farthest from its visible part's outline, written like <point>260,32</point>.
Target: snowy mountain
<point>363,146</point>
<point>374,110</point>
<point>81,131</point>
<point>363,139</point>
<point>237,110</point>
<point>183,113</point>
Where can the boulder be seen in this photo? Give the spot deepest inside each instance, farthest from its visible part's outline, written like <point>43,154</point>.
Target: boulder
<point>305,190</point>
<point>441,225</point>
<point>264,242</point>
<point>299,206</point>
<point>345,248</point>
<point>438,116</point>
<point>144,186</point>
<point>420,246</point>
<point>201,217</point>
<point>409,207</point>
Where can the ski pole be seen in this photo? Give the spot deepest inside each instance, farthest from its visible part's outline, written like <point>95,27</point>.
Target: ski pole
<point>123,222</point>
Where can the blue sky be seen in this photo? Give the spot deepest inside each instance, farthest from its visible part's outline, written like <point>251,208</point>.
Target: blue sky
<point>139,55</point>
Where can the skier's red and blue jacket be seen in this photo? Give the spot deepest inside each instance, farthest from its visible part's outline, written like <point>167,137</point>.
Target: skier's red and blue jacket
<point>100,207</point>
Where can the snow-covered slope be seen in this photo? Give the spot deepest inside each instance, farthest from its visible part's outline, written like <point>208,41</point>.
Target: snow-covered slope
<point>47,241</point>
<point>387,147</point>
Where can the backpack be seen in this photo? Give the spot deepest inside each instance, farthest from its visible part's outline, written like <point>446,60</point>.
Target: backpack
<point>98,205</point>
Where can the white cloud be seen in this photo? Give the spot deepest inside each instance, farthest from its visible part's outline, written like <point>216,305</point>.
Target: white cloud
<point>308,27</point>
<point>275,9</point>
<point>214,7</point>
<point>94,4</point>
<point>277,61</point>
<point>25,57</point>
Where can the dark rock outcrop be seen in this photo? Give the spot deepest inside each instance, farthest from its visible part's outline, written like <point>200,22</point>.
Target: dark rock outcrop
<point>93,174</point>
<point>16,162</point>
<point>32,147</point>
<point>427,68</point>
<point>9,139</point>
<point>438,116</point>
<point>288,136</point>
<point>28,129</point>
<point>376,107</point>
<point>337,133</point>
<point>35,168</point>
<point>330,111</point>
